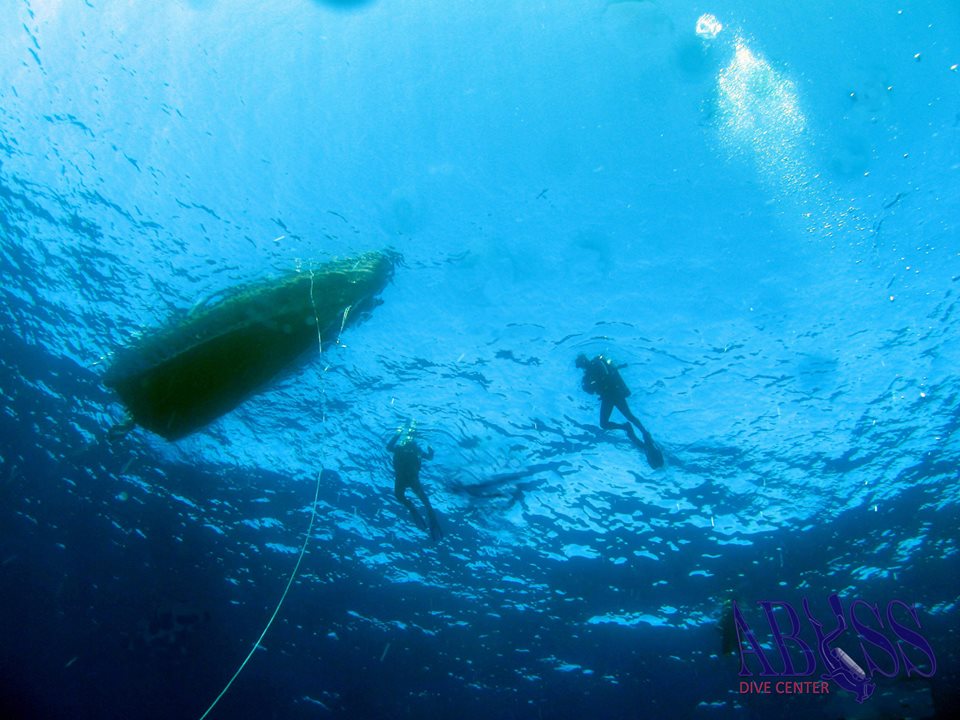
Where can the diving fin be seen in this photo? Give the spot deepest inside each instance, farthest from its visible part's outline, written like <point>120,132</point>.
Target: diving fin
<point>653,453</point>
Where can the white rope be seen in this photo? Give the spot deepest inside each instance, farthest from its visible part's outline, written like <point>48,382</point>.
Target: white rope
<point>293,575</point>
<point>316,317</point>
<point>343,323</point>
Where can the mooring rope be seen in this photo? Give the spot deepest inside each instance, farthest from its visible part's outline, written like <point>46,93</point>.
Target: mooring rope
<point>316,316</point>
<point>293,575</point>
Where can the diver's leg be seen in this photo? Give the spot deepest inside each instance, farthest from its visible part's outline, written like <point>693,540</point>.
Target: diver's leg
<point>400,491</point>
<point>606,407</point>
<point>654,456</point>
<point>435,531</point>
<point>633,436</point>
<point>628,414</point>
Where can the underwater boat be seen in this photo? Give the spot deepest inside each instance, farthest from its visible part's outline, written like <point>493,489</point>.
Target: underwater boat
<point>181,377</point>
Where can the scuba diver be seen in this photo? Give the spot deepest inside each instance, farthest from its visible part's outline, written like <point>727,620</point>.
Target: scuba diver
<point>601,377</point>
<point>406,467</point>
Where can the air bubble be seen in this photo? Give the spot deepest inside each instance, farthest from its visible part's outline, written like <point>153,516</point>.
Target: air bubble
<point>708,27</point>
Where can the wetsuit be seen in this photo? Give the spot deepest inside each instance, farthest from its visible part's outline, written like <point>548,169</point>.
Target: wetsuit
<point>601,377</point>
<point>407,459</point>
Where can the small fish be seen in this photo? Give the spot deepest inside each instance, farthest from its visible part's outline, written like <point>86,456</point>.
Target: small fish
<point>891,203</point>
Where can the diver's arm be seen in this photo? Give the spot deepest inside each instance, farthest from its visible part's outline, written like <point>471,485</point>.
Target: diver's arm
<point>393,441</point>
<point>428,455</point>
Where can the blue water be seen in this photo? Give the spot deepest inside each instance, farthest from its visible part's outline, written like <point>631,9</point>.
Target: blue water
<point>763,225</point>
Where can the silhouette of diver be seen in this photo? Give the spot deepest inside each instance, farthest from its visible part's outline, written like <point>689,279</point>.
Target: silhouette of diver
<point>601,377</point>
<point>406,467</point>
